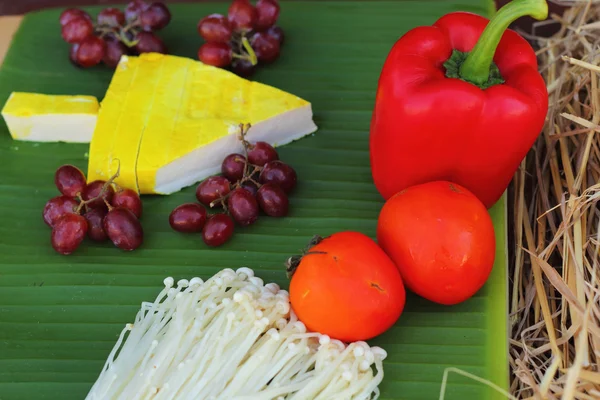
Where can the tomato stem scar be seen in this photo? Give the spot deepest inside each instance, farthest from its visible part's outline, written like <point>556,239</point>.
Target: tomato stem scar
<point>454,188</point>
<point>376,286</point>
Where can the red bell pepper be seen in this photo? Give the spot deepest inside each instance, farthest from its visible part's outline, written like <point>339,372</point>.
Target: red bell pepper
<point>461,101</point>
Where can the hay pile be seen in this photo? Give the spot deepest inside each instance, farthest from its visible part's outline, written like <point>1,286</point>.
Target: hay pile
<point>555,288</point>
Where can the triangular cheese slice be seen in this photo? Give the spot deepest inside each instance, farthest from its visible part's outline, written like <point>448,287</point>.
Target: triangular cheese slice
<point>170,121</point>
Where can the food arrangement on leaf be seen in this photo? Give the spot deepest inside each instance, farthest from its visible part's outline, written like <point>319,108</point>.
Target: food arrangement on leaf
<point>458,105</point>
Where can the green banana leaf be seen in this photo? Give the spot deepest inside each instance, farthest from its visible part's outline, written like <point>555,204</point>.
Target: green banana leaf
<point>61,315</point>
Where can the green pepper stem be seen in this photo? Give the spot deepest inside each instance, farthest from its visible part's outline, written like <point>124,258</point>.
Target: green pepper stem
<point>476,67</point>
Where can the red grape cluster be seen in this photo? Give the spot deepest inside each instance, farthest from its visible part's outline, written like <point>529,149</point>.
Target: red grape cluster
<point>115,33</point>
<point>95,210</point>
<point>246,36</point>
<point>249,183</point>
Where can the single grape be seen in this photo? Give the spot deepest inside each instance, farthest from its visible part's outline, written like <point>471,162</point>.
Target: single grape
<point>90,52</point>
<point>115,49</point>
<point>77,29</point>
<point>267,13</point>
<point>215,54</point>
<point>95,218</point>
<point>243,207</point>
<point>211,189</point>
<point>250,187</point>
<point>261,153</point>
<point>93,190</point>
<point>148,42</point>
<point>134,9</point>
<point>123,229</point>
<point>215,28</point>
<point>129,199</point>
<point>265,46</point>
<point>70,14</point>
<point>279,173</point>
<point>277,33</point>
<point>242,15</point>
<point>188,218</point>
<point>111,17</point>
<point>243,67</point>
<point>56,207</point>
<point>217,230</point>
<point>155,17</point>
<point>233,167</point>
<point>272,200</point>
<point>68,233</point>
<point>69,180</point>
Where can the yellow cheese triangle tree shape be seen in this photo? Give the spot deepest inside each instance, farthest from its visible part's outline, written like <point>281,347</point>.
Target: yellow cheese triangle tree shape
<point>170,121</point>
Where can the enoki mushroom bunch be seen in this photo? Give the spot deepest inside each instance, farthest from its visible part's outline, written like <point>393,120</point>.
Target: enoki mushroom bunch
<point>232,337</point>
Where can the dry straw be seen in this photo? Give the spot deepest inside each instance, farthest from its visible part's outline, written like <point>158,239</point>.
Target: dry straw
<point>555,288</point>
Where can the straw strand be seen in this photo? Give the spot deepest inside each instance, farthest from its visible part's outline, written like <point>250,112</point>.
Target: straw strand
<point>555,298</point>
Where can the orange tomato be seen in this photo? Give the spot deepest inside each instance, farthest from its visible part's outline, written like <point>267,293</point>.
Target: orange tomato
<point>346,287</point>
<point>441,237</point>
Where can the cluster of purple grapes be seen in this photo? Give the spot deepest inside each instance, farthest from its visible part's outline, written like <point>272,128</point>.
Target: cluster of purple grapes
<point>115,33</point>
<point>249,183</point>
<point>246,36</point>
<point>95,210</point>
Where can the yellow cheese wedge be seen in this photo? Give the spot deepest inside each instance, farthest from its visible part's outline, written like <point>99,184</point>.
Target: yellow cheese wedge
<point>169,121</point>
<point>50,118</point>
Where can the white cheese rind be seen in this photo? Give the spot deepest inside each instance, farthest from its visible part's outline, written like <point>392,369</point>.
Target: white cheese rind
<point>206,161</point>
<point>72,128</point>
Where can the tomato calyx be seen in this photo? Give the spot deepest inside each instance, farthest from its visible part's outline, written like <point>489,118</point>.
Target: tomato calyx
<point>292,263</point>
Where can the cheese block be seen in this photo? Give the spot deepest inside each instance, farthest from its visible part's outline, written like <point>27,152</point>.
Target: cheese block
<point>39,117</point>
<point>167,122</point>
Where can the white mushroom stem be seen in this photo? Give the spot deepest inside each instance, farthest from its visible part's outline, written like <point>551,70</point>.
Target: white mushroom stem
<point>232,337</point>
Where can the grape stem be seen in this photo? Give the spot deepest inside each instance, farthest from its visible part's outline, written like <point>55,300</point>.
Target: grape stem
<point>104,31</point>
<point>133,26</point>
<point>220,200</point>
<point>133,23</point>
<point>125,40</point>
<point>249,178</point>
<point>244,48</point>
<point>246,177</point>
<point>102,191</point>
<point>107,204</point>
<point>250,50</point>
<point>243,131</point>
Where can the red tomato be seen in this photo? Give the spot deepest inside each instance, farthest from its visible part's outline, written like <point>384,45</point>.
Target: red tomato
<point>346,287</point>
<point>441,237</point>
